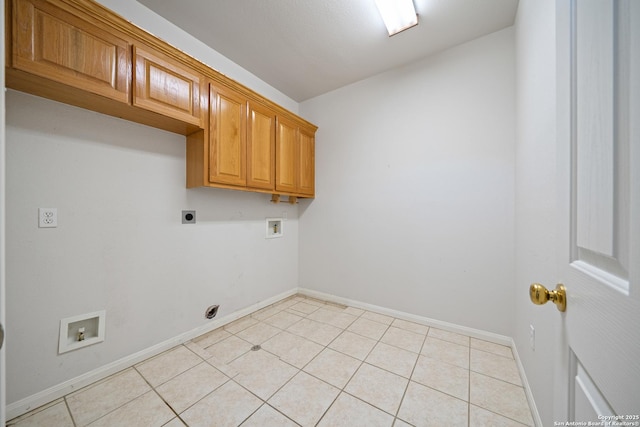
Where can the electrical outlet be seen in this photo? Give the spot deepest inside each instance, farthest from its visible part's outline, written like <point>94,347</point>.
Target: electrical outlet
<point>532,338</point>
<point>47,217</point>
<point>188,217</point>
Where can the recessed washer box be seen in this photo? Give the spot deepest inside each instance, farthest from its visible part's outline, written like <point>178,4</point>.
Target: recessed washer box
<point>80,331</point>
<point>274,228</point>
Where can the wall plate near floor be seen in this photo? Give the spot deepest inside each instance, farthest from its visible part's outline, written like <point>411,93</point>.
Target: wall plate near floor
<point>80,331</point>
<point>274,228</point>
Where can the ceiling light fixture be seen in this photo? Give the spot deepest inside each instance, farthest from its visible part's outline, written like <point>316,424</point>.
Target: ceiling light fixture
<point>398,15</point>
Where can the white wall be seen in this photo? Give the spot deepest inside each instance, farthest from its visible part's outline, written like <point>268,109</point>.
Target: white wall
<point>119,188</point>
<point>415,188</point>
<point>120,246</point>
<point>536,194</point>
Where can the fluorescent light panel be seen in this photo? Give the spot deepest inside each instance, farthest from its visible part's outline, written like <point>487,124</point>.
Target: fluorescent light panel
<point>398,15</point>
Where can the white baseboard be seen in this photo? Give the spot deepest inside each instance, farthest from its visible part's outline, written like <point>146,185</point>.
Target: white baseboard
<point>527,389</point>
<point>34,401</point>
<point>475,333</point>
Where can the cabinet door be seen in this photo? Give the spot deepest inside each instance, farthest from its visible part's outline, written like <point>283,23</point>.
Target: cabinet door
<point>261,146</point>
<point>57,45</point>
<point>227,134</point>
<point>166,87</point>
<point>286,155</point>
<point>306,165</point>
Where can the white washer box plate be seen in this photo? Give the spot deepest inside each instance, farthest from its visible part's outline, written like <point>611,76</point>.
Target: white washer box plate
<point>93,324</point>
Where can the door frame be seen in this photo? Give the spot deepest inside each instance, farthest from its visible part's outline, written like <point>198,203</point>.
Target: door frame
<point>3,192</point>
<point>564,90</point>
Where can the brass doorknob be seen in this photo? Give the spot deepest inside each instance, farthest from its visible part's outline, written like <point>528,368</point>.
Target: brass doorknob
<point>540,295</point>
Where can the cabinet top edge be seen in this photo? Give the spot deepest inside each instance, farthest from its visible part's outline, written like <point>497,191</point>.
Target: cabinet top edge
<point>97,12</point>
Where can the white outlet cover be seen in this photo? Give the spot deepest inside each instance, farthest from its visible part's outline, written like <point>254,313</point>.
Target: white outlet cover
<point>47,217</point>
<point>532,338</point>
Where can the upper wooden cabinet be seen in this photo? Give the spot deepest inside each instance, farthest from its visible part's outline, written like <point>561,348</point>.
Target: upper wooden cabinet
<point>307,161</point>
<point>286,155</point>
<point>241,140</point>
<point>295,158</point>
<point>251,146</point>
<point>261,146</point>
<point>52,43</point>
<point>228,136</point>
<point>78,52</point>
<point>166,87</point>
<point>81,53</point>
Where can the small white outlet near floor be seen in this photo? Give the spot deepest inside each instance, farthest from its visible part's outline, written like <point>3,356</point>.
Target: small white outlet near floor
<point>532,338</point>
<point>47,217</point>
<point>80,331</point>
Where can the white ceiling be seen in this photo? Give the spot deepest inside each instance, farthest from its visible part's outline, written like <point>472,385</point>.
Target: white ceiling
<point>305,48</point>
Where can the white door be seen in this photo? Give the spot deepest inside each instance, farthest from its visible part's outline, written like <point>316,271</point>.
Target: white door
<point>598,372</point>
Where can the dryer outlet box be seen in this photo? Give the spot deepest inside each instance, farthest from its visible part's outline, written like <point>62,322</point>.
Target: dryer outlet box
<point>188,217</point>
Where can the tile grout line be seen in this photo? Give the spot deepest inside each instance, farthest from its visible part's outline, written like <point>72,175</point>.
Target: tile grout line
<point>202,398</point>
<point>167,403</point>
<point>492,353</point>
<point>502,381</point>
<point>156,392</point>
<point>66,404</point>
<point>104,381</point>
<point>163,399</point>
<point>362,362</point>
<point>404,394</point>
<point>342,390</point>
<point>265,401</point>
<point>324,413</point>
<point>501,415</point>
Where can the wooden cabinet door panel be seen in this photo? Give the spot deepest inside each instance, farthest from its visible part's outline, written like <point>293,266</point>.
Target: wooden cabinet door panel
<point>60,46</point>
<point>227,149</point>
<point>166,87</point>
<point>306,162</point>
<point>261,147</point>
<point>286,155</point>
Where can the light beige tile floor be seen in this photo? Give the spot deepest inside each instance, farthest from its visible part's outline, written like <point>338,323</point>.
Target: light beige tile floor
<point>319,364</point>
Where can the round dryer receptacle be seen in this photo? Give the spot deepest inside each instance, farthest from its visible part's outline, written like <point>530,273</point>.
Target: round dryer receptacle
<point>211,311</point>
